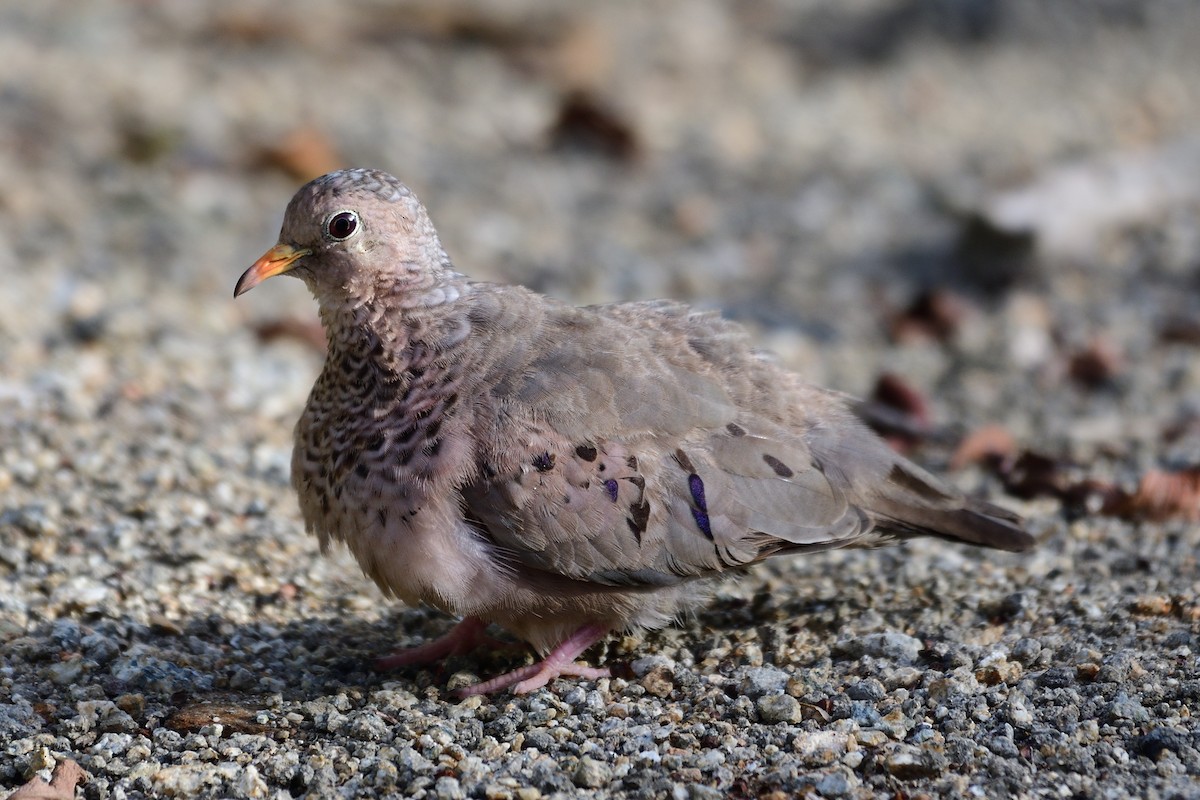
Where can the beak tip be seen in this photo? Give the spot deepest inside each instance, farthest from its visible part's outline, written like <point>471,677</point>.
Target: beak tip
<point>243,285</point>
<point>277,260</point>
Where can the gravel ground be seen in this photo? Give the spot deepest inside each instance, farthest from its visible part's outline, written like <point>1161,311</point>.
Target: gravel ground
<point>812,168</point>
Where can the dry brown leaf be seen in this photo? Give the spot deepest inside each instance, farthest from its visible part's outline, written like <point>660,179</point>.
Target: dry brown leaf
<point>1097,364</point>
<point>991,444</point>
<point>897,412</point>
<point>303,154</point>
<point>584,124</point>
<point>1161,495</point>
<point>1180,330</point>
<point>235,718</point>
<point>935,314</point>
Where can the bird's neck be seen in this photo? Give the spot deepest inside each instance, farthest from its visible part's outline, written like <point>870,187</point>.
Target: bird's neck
<point>396,334</point>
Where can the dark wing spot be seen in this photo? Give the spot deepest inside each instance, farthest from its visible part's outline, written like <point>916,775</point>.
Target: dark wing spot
<point>638,481</point>
<point>432,429</point>
<point>735,430</point>
<point>682,459</point>
<point>376,442</point>
<point>543,462</point>
<point>586,452</point>
<point>611,487</point>
<point>488,470</point>
<point>631,462</point>
<point>432,448</point>
<point>781,469</point>
<point>697,488</point>
<point>639,515</point>
<point>383,515</point>
<point>362,469</point>
<point>407,435</point>
<point>637,532</point>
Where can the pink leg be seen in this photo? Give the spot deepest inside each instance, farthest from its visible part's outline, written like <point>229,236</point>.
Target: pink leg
<point>464,637</point>
<point>560,662</point>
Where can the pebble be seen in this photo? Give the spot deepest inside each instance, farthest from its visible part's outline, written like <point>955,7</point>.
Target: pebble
<point>758,681</point>
<point>896,647</point>
<point>909,763</point>
<point>779,708</point>
<point>591,774</point>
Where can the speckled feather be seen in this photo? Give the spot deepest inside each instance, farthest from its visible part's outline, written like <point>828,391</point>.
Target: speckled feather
<point>502,455</point>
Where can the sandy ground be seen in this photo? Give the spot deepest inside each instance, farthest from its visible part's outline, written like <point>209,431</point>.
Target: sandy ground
<point>814,169</point>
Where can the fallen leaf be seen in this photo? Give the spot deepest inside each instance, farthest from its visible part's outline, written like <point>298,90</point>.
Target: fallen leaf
<point>586,125</point>
<point>935,314</point>
<point>1033,475</point>
<point>991,444</point>
<point>897,412</point>
<point>1097,364</point>
<point>1161,495</point>
<point>235,718</point>
<point>1180,330</point>
<point>303,154</point>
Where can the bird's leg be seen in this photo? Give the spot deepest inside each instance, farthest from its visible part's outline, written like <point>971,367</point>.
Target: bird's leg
<point>561,662</point>
<point>467,635</point>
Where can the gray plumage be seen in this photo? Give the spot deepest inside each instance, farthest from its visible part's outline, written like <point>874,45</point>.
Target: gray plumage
<point>512,459</point>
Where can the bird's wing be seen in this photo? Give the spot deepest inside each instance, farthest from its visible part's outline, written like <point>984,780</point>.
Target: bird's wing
<point>644,445</point>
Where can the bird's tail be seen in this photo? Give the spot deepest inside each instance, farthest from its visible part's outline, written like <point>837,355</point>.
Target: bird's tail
<point>976,522</point>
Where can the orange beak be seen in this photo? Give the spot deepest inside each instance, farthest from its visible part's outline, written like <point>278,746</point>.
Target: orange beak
<point>276,261</point>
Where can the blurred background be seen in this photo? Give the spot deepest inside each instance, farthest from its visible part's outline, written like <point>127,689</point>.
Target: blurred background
<point>810,166</point>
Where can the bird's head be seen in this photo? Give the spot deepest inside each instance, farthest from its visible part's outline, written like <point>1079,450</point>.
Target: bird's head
<point>351,236</point>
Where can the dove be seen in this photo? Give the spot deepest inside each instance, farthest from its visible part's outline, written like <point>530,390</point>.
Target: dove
<point>562,472</point>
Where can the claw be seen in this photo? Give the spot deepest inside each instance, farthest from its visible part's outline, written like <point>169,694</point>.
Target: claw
<point>560,663</point>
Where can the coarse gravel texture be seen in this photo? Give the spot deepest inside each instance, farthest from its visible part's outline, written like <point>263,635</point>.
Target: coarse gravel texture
<point>808,167</point>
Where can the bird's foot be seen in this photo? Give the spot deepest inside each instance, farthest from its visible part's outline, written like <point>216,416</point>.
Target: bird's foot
<point>467,635</point>
<point>560,663</point>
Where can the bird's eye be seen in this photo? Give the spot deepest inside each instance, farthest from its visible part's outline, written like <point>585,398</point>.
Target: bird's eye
<point>342,224</point>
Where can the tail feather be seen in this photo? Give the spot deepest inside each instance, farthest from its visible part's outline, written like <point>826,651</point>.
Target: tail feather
<point>975,522</point>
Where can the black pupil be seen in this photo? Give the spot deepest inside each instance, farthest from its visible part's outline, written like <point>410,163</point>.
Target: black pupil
<point>342,225</point>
